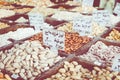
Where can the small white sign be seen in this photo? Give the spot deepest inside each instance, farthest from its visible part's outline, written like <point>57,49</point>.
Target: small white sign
<point>54,39</point>
<point>83,25</point>
<point>102,17</point>
<point>88,3</point>
<point>116,63</point>
<point>36,20</point>
<point>117,9</point>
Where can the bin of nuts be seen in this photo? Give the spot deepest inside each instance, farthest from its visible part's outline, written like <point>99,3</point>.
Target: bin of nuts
<point>72,41</point>
<point>99,51</point>
<point>77,69</point>
<point>112,34</point>
<point>28,59</point>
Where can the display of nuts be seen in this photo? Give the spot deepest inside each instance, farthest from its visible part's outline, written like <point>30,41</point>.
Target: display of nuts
<point>28,63</point>
<point>83,73</point>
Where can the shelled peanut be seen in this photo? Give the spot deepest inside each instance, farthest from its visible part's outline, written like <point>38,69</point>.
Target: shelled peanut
<point>114,35</point>
<point>3,25</point>
<point>28,59</point>
<point>4,76</point>
<point>75,71</point>
<point>72,41</point>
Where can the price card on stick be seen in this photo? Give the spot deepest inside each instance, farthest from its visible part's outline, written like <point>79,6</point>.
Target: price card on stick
<point>83,25</point>
<point>117,9</point>
<point>36,20</point>
<point>54,39</point>
<point>116,63</point>
<point>102,17</point>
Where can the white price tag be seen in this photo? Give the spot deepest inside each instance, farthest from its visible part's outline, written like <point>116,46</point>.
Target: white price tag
<point>117,9</point>
<point>102,17</point>
<point>87,3</point>
<point>116,63</point>
<point>36,20</point>
<point>54,39</point>
<point>83,25</point>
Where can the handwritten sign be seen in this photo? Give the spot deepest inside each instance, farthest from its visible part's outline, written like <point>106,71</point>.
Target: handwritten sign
<point>36,20</point>
<point>117,9</point>
<point>83,25</point>
<point>87,3</point>
<point>102,17</point>
<point>54,39</point>
<point>116,63</point>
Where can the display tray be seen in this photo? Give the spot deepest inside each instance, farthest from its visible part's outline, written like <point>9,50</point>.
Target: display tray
<point>86,47</point>
<point>12,20</point>
<point>7,47</point>
<point>63,6</point>
<point>106,33</point>
<point>70,58</point>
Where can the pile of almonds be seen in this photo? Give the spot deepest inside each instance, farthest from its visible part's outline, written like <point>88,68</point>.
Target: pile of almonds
<point>28,59</point>
<point>74,71</point>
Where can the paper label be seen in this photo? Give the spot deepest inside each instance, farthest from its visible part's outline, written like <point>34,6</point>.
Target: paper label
<point>116,63</point>
<point>54,39</point>
<point>102,17</point>
<point>87,3</point>
<point>83,25</point>
<point>117,9</point>
<point>36,20</point>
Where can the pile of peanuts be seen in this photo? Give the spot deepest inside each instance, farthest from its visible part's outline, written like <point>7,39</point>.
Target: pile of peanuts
<point>114,35</point>
<point>96,29</point>
<point>3,25</point>
<point>72,41</point>
<point>74,71</point>
<point>102,53</point>
<point>4,77</point>
<point>67,27</point>
<point>65,15</point>
<point>28,59</point>
<point>80,9</point>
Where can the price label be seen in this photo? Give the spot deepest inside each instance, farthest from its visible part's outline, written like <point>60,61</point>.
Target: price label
<point>83,25</point>
<point>116,63</point>
<point>102,17</point>
<point>54,39</point>
<point>87,3</point>
<point>36,20</point>
<point>117,9</point>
